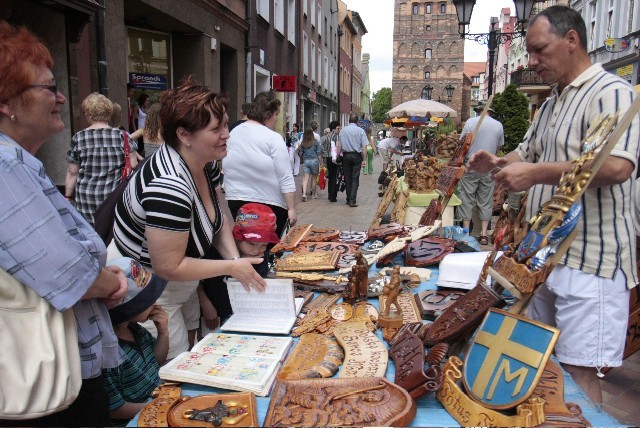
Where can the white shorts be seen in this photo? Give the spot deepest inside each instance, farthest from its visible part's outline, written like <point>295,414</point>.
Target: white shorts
<point>591,313</point>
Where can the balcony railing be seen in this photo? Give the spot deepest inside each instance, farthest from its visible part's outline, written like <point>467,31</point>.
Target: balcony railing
<point>526,77</point>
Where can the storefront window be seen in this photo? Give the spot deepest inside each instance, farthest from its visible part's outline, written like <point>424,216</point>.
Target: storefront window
<point>149,63</point>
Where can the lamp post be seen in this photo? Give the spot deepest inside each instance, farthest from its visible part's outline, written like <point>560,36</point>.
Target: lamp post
<point>426,92</point>
<point>495,37</point>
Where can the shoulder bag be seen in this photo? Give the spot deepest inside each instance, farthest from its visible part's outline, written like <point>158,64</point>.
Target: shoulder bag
<point>40,370</point>
<point>127,169</point>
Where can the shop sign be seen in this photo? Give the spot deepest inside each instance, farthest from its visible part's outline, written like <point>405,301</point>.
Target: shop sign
<point>616,44</point>
<point>364,124</point>
<point>312,95</point>
<point>148,81</point>
<point>625,71</point>
<point>283,83</point>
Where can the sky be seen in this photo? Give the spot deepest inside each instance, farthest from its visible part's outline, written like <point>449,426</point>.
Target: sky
<point>377,16</point>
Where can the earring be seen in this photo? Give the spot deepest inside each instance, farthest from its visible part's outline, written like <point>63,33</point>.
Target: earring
<point>12,118</point>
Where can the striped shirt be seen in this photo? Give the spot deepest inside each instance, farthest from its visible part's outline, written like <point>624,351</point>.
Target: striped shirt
<point>605,241</point>
<point>135,379</point>
<point>163,195</point>
<point>100,154</point>
<point>48,246</point>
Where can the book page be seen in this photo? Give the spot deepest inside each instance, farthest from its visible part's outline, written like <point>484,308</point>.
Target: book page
<point>276,299</point>
<point>255,324</point>
<point>243,344</point>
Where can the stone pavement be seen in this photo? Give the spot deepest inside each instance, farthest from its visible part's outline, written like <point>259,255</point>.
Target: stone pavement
<point>620,386</point>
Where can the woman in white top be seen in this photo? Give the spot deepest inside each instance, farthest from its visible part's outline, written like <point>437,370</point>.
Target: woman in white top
<point>151,133</point>
<point>141,110</point>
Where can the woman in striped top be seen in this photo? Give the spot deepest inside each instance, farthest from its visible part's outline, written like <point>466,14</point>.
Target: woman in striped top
<point>170,215</point>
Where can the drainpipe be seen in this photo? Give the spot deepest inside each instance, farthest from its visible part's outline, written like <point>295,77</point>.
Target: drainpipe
<point>101,50</point>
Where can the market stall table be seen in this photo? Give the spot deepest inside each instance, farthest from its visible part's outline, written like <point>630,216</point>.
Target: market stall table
<point>430,412</point>
<point>417,202</point>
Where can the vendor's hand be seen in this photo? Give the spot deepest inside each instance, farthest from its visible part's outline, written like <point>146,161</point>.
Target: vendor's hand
<point>118,295</point>
<point>517,176</point>
<point>160,319</point>
<point>482,161</point>
<point>244,272</point>
<point>293,217</point>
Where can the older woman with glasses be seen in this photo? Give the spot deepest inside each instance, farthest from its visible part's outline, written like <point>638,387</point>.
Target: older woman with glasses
<point>44,242</point>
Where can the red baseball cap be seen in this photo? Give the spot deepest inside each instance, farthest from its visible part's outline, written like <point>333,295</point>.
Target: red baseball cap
<point>255,223</point>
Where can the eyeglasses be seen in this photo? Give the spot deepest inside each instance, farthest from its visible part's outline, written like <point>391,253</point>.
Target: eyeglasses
<point>53,87</point>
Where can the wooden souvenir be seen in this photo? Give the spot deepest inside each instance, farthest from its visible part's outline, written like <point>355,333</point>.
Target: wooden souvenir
<point>469,413</point>
<point>314,281</point>
<point>457,160</point>
<point>346,251</point>
<point>217,410</point>
<point>367,310</point>
<point>448,180</point>
<point>409,271</point>
<point>322,301</point>
<point>550,388</point>
<point>306,297</point>
<point>339,402</point>
<point>432,213</point>
<point>400,208</point>
<point>311,320</point>
<point>432,303</point>
<point>292,239</point>
<point>407,353</point>
<point>389,251</point>
<point>341,312</point>
<point>385,202</point>
<point>385,230</point>
<point>319,260</point>
<point>428,251</point>
<point>410,313</point>
<point>349,237</point>
<point>357,287</point>
<point>314,356</point>
<point>365,355</point>
<point>321,234</point>
<point>462,316</point>
<point>391,290</point>
<point>155,413</point>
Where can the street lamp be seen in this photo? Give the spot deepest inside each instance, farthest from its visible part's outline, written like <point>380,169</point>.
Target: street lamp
<point>494,37</point>
<point>449,88</point>
<point>426,92</point>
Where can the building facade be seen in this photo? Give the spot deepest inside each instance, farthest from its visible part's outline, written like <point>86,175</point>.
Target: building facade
<point>428,54</point>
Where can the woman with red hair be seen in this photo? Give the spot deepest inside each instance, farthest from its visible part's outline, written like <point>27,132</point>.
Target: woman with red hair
<point>46,244</point>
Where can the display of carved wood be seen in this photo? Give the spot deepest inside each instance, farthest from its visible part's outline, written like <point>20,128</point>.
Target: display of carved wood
<point>357,287</point>
<point>448,180</point>
<point>319,260</point>
<point>346,251</point>
<point>321,234</point>
<point>457,159</point>
<point>314,356</point>
<point>311,320</point>
<point>365,354</point>
<point>155,413</point>
<point>391,291</point>
<point>428,251</point>
<point>432,303</point>
<point>550,388</point>
<point>339,402</point>
<point>409,273</point>
<point>462,316</point>
<point>407,353</point>
<point>432,213</point>
<point>323,300</point>
<point>314,281</point>
<point>410,313</point>
<point>386,230</point>
<point>400,208</point>
<point>218,410</point>
<point>292,238</point>
<point>349,237</point>
<point>446,144</point>
<point>421,177</point>
<point>385,202</point>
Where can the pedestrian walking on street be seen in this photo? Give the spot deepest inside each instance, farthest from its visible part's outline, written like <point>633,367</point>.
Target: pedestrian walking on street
<point>311,155</point>
<point>352,143</point>
<point>330,155</point>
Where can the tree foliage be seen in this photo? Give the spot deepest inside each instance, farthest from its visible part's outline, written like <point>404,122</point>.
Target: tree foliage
<point>380,104</point>
<point>512,110</point>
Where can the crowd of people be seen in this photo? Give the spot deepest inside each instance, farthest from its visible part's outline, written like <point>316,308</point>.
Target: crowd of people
<point>171,223</point>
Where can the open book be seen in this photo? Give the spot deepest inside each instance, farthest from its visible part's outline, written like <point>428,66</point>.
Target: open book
<point>272,312</point>
<point>231,361</point>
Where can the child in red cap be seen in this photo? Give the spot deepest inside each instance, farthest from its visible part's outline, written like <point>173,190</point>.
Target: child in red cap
<point>253,231</point>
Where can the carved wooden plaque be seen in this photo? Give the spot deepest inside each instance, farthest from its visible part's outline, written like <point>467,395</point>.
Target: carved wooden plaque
<point>519,274</point>
<point>428,251</point>
<point>407,353</point>
<point>410,311</point>
<point>314,356</point>
<point>386,230</point>
<point>432,213</point>
<point>448,180</point>
<point>322,300</point>
<point>319,260</point>
<point>292,239</point>
<point>365,355</point>
<point>339,402</point>
<point>464,314</point>
<point>400,208</point>
<point>461,151</point>
<point>350,237</point>
<point>432,303</point>
<point>204,410</point>
<point>385,202</point>
<point>156,412</point>
<point>321,234</point>
<point>346,251</point>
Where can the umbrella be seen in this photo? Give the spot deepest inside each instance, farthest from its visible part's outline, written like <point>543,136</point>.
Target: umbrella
<point>421,108</point>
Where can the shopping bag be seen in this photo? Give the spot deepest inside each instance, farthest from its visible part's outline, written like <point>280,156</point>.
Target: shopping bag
<point>322,178</point>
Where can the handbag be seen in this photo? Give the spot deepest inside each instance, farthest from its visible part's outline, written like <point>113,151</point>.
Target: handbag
<point>127,169</point>
<point>322,178</point>
<point>40,368</point>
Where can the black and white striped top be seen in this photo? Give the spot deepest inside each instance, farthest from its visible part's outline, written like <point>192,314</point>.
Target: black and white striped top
<point>605,241</point>
<point>163,195</point>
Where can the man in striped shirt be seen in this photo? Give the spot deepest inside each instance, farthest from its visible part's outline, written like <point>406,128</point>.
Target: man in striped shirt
<point>587,295</point>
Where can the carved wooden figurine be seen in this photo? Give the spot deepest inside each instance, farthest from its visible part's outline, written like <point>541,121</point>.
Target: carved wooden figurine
<point>357,287</point>
<point>391,291</point>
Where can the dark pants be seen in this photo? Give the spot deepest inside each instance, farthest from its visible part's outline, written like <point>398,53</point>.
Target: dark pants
<point>332,179</point>
<point>351,164</point>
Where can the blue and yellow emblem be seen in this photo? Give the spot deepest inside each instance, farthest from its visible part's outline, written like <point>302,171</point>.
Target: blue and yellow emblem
<point>507,358</point>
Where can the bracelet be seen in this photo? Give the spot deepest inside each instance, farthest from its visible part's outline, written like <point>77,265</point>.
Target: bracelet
<point>235,258</point>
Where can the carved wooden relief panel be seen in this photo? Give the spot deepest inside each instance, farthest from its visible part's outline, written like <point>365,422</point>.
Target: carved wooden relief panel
<point>428,251</point>
<point>432,303</point>
<point>319,260</point>
<point>432,213</point>
<point>292,239</point>
<point>346,251</point>
<point>349,237</point>
<point>448,180</point>
<point>314,356</point>
<point>365,355</point>
<point>321,234</point>
<point>219,410</point>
